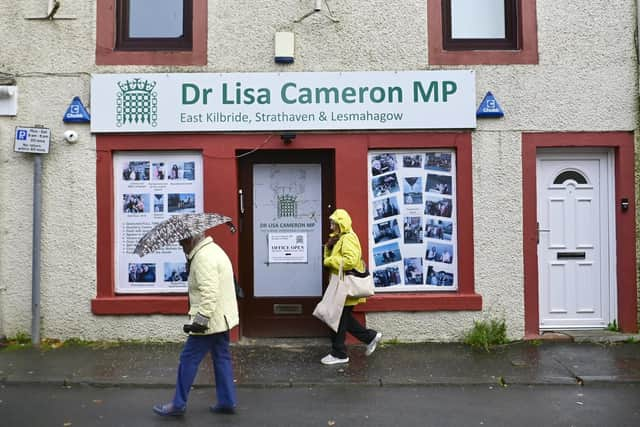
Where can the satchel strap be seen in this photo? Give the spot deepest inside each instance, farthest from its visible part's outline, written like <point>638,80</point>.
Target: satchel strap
<point>352,272</point>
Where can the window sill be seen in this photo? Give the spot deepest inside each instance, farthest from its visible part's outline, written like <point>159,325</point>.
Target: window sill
<point>422,302</point>
<point>140,304</point>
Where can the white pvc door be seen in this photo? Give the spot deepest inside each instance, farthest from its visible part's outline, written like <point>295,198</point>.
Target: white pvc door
<point>576,259</point>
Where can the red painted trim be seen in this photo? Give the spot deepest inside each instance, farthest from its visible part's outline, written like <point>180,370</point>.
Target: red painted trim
<point>528,54</point>
<point>104,204</point>
<point>622,143</point>
<point>220,192</point>
<point>143,304</point>
<point>422,302</point>
<point>530,245</point>
<point>626,238</point>
<point>106,39</point>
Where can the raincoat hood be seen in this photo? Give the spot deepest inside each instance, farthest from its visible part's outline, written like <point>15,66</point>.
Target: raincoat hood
<point>342,218</point>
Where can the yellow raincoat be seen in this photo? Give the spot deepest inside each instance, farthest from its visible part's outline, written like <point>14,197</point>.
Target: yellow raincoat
<point>347,249</point>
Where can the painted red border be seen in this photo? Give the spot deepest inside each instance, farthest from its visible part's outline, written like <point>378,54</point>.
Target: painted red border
<point>106,40</point>
<point>221,196</point>
<point>528,54</point>
<point>622,143</point>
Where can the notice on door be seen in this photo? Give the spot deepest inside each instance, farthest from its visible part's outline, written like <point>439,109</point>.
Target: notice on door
<point>287,247</point>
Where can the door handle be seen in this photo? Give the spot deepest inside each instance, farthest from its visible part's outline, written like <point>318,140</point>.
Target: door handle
<point>241,200</point>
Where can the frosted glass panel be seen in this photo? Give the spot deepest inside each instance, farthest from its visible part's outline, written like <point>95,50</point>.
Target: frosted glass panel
<point>287,202</point>
<point>155,18</point>
<point>477,19</point>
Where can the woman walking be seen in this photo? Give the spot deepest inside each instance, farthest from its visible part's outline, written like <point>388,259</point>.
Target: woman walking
<point>343,246</point>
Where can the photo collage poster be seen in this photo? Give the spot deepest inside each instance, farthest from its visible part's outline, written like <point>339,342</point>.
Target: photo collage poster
<point>412,220</point>
<point>149,188</point>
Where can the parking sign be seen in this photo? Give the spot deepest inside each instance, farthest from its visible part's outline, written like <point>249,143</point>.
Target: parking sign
<point>32,140</point>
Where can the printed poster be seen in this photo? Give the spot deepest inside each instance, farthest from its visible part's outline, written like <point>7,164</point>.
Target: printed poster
<point>149,188</point>
<point>412,205</point>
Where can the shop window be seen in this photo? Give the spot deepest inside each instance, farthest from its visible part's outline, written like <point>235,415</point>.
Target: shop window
<point>173,33</point>
<point>420,222</point>
<point>149,188</point>
<point>412,220</point>
<point>482,32</point>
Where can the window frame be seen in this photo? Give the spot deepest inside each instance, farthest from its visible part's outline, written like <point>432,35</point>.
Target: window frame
<point>125,42</point>
<point>482,52</point>
<point>464,297</point>
<point>108,53</point>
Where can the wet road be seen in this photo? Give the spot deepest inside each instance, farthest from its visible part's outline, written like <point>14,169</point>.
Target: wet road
<point>341,405</point>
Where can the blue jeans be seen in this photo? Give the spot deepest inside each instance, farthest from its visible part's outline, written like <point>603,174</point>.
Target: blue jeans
<point>196,347</point>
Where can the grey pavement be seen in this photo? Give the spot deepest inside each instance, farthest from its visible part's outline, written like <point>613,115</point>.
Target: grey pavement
<point>296,363</point>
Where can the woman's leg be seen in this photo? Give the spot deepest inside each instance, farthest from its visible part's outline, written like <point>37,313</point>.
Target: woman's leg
<point>356,329</point>
<point>194,350</point>
<point>338,348</point>
<point>223,370</point>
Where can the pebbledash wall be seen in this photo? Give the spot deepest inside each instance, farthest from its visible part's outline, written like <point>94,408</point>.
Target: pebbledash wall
<point>585,79</point>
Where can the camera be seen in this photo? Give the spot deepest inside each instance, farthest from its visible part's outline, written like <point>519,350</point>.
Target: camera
<point>71,136</point>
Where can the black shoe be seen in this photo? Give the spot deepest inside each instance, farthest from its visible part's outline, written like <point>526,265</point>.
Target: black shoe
<point>168,410</point>
<point>217,409</point>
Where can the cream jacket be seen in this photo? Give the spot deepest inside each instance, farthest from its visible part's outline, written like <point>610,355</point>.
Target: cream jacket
<point>211,287</point>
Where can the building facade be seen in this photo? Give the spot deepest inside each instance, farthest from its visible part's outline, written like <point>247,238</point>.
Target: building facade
<point>485,150</point>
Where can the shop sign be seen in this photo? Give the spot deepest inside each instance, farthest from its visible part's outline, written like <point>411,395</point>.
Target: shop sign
<point>443,99</point>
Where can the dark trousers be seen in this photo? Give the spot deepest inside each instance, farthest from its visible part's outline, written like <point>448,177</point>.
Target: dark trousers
<point>196,347</point>
<point>349,324</point>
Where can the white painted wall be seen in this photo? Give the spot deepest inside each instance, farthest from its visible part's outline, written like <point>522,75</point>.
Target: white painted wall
<point>586,81</point>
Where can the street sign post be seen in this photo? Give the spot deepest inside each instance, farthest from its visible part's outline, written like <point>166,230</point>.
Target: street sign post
<point>35,140</point>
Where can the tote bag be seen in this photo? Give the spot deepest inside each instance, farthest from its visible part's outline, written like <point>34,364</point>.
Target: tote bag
<point>359,285</point>
<point>329,309</point>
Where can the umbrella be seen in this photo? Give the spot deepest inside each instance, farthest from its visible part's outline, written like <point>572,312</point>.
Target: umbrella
<point>179,227</point>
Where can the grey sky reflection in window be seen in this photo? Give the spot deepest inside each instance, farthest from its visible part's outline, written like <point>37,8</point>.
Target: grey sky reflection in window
<point>155,18</point>
<point>570,175</point>
<point>477,19</point>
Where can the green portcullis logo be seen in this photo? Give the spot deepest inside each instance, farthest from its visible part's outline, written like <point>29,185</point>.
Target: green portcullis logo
<point>287,206</point>
<point>136,103</point>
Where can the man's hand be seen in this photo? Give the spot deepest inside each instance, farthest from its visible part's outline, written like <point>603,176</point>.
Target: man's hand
<point>199,325</point>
